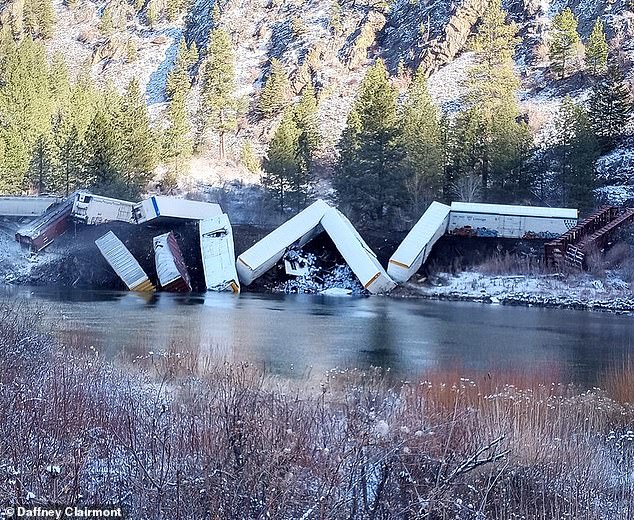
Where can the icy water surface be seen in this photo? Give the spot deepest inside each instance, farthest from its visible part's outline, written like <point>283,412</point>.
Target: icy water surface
<point>301,334</point>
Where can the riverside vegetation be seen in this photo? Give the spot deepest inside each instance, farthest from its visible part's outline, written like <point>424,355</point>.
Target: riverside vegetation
<point>182,436</point>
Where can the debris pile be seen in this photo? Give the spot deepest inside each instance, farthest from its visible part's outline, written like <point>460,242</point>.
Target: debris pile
<point>309,275</point>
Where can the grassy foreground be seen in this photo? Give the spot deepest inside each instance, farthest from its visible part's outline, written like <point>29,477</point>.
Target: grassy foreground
<point>179,437</point>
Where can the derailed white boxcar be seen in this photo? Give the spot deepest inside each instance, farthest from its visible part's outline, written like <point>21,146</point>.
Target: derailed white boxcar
<point>123,263</point>
<point>218,254</point>
<point>357,254</point>
<point>297,231</point>
<point>170,266</point>
<point>24,207</point>
<point>503,221</point>
<point>94,209</point>
<point>415,248</point>
<point>174,208</point>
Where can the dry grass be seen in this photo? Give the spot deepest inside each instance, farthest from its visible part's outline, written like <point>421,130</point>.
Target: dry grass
<point>181,437</point>
<point>512,264</point>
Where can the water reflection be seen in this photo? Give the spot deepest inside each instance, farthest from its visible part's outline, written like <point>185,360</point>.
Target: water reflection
<point>322,332</point>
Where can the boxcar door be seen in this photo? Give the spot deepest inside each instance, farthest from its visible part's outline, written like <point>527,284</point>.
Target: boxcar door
<point>512,226</point>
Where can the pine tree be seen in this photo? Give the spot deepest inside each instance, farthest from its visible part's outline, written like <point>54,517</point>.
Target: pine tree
<point>610,106</point>
<point>106,25</point>
<point>275,92</point>
<point>41,166</point>
<point>26,105</point>
<point>103,149</point>
<point>178,78</point>
<point>597,49</point>
<point>177,146</point>
<point>131,51</point>
<point>139,150</point>
<point>38,18</point>
<point>564,41</point>
<point>576,150</point>
<point>14,160</point>
<point>68,173</point>
<point>421,141</point>
<point>369,179</point>
<point>84,100</point>
<point>492,139</point>
<point>284,176</point>
<point>219,106</point>
<point>305,117</point>
<point>174,8</point>
<point>152,13</point>
<point>59,80</point>
<point>249,159</point>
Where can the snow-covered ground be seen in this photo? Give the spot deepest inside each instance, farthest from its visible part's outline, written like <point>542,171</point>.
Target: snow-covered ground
<point>17,263</point>
<point>579,291</point>
<point>447,85</point>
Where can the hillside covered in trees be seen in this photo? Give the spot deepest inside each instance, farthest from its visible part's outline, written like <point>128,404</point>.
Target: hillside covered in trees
<point>383,106</point>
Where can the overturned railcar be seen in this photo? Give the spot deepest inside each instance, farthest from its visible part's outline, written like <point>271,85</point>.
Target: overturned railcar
<point>123,263</point>
<point>173,208</point>
<point>170,266</point>
<point>297,231</point>
<point>317,218</point>
<point>357,254</point>
<point>218,254</point>
<point>415,249</point>
<point>94,209</point>
<point>53,223</point>
<point>505,221</point>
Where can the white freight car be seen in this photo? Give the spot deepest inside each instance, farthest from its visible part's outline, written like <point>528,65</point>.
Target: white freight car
<point>357,254</point>
<point>415,248</point>
<point>498,220</point>
<point>24,207</point>
<point>297,231</point>
<point>171,207</point>
<point>218,254</point>
<point>94,209</point>
<point>123,263</point>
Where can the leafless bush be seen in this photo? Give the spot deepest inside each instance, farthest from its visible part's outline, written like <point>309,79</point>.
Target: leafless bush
<point>467,189</point>
<point>180,436</point>
<point>508,263</point>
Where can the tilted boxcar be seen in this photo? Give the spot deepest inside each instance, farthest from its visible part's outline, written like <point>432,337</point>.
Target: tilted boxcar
<point>218,254</point>
<point>43,230</point>
<point>170,266</point>
<point>297,231</point>
<point>503,221</point>
<point>174,208</point>
<point>94,209</point>
<point>415,249</point>
<point>123,263</point>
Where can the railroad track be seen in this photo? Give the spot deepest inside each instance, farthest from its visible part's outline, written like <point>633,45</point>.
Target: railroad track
<point>593,233</point>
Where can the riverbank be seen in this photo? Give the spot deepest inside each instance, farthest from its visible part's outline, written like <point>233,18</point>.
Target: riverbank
<point>579,291</point>
<point>183,436</point>
<point>73,261</point>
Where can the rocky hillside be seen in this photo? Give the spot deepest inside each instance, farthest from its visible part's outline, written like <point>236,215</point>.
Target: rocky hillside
<point>330,43</point>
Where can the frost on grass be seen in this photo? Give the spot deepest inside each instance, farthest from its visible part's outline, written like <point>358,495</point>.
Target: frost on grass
<point>177,436</point>
<point>582,291</point>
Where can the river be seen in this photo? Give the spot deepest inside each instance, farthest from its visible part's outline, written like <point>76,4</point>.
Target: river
<point>297,335</point>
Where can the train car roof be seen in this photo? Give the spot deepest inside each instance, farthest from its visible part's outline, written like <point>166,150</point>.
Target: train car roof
<point>503,209</point>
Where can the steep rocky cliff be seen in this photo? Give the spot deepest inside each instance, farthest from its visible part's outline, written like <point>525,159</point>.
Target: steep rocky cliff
<point>329,43</point>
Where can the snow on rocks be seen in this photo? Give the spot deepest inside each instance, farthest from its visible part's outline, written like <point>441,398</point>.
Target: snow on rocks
<point>579,291</point>
<point>447,85</point>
